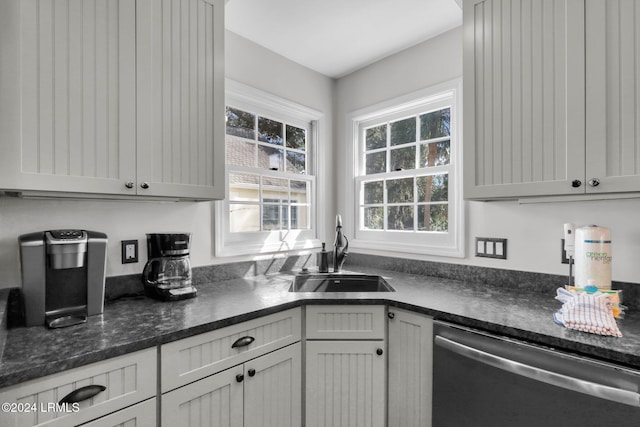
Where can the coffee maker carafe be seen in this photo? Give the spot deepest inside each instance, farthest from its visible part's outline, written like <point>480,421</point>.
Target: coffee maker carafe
<point>167,274</point>
<point>63,274</point>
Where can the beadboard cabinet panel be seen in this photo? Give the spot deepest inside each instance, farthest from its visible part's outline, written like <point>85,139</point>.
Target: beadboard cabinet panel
<point>410,368</point>
<point>140,415</point>
<point>180,97</point>
<point>104,98</point>
<point>192,358</point>
<point>345,384</point>
<point>613,91</point>
<point>524,97</point>
<point>127,379</point>
<point>273,389</point>
<point>215,401</point>
<point>68,95</point>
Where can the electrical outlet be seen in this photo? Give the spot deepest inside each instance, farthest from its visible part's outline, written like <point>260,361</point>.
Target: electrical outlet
<point>129,251</point>
<point>489,247</point>
<point>564,259</point>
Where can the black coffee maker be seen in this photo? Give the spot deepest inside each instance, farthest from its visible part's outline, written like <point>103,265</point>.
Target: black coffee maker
<point>167,274</point>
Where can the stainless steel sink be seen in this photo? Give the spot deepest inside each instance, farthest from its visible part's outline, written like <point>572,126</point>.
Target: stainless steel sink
<point>339,282</point>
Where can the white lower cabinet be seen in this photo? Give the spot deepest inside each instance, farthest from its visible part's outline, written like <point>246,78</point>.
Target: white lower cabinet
<point>410,368</point>
<point>97,389</point>
<point>346,375</point>
<point>345,383</point>
<point>263,392</point>
<point>140,415</point>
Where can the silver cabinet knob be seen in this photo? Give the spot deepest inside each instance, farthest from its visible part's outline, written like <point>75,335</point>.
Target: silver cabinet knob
<point>128,184</point>
<point>144,185</point>
<point>594,182</point>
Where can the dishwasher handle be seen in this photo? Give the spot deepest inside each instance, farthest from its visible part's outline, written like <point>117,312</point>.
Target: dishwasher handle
<point>553,378</point>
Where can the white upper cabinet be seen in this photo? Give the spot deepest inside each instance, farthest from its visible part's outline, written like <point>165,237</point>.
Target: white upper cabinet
<point>550,97</point>
<point>180,112</point>
<point>112,97</point>
<point>523,97</point>
<point>613,91</point>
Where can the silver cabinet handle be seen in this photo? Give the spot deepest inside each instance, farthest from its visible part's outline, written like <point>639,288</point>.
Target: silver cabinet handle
<point>144,185</point>
<point>128,184</point>
<point>594,182</point>
<point>553,378</point>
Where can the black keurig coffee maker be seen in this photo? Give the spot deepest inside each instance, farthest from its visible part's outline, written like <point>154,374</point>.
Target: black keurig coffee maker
<point>167,274</point>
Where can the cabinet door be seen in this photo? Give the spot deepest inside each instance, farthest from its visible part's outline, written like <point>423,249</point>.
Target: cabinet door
<point>192,358</point>
<point>613,89</point>
<point>345,384</point>
<point>410,369</point>
<point>140,415</point>
<point>67,95</point>
<point>215,401</point>
<point>180,87</point>
<point>273,389</point>
<point>523,97</point>
<point>126,379</point>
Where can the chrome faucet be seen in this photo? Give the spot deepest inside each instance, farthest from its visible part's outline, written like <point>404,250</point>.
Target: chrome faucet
<point>340,246</point>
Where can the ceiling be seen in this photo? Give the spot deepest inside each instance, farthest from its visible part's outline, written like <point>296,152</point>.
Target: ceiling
<point>337,37</point>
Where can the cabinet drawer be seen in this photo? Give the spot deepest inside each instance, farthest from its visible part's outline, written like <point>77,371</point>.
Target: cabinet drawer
<point>345,322</point>
<point>140,415</point>
<point>193,358</point>
<point>128,379</point>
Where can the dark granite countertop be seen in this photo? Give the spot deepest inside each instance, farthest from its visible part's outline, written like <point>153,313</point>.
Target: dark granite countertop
<point>135,323</point>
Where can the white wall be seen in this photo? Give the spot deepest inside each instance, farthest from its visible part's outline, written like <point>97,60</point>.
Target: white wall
<point>533,231</point>
<point>247,63</point>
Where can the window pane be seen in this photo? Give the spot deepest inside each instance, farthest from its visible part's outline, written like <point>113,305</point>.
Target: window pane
<point>296,162</point>
<point>240,152</point>
<point>435,154</point>
<point>434,188</point>
<point>275,190</point>
<point>240,123</point>
<point>433,218</point>
<point>374,218</point>
<point>403,158</point>
<point>244,187</point>
<point>376,137</point>
<point>299,218</point>
<point>403,131</point>
<point>272,217</point>
<point>270,131</point>
<point>299,191</point>
<point>435,124</point>
<point>376,162</point>
<point>400,190</point>
<point>244,218</point>
<point>400,218</point>
<point>296,137</point>
<point>373,192</point>
<point>270,158</point>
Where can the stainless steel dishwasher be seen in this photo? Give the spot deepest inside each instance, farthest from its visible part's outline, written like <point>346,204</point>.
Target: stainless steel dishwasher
<point>485,380</point>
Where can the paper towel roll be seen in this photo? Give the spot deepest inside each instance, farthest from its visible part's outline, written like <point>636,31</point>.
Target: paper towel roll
<point>593,257</point>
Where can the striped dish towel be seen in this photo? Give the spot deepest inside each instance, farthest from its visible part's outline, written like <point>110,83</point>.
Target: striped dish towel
<point>587,313</point>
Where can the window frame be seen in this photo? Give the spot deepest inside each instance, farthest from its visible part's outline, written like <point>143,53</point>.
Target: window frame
<point>450,243</point>
<point>264,104</point>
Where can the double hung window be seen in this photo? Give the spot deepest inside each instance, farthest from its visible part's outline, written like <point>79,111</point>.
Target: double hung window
<point>406,178</point>
<point>271,189</point>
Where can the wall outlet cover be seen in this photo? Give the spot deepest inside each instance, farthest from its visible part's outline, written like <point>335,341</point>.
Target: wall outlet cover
<point>129,251</point>
<point>490,247</point>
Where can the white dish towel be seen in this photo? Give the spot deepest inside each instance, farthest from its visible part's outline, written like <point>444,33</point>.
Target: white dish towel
<point>586,312</point>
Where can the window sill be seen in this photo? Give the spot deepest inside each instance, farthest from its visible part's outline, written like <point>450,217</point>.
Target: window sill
<point>384,248</point>
<point>263,248</point>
